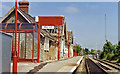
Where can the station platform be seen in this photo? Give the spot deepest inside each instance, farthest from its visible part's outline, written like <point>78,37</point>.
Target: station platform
<point>67,65</point>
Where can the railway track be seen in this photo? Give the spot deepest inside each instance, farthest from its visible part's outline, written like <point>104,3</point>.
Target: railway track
<point>93,68</point>
<point>118,64</point>
<point>113,65</point>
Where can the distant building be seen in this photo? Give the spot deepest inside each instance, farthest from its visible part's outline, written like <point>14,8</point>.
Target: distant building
<point>0,18</point>
<point>69,42</point>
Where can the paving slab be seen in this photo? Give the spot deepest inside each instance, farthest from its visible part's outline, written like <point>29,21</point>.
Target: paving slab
<point>68,65</point>
<point>67,69</point>
<point>24,67</point>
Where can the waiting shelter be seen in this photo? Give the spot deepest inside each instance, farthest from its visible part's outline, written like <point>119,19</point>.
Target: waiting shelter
<point>21,28</point>
<point>34,29</point>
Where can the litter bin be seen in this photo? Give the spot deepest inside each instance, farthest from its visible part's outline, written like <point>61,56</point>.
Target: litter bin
<point>5,50</point>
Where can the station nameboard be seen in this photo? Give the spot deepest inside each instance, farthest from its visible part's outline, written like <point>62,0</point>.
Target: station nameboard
<point>50,20</point>
<point>47,27</point>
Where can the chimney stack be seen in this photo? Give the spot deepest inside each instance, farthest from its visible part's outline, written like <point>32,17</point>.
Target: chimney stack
<point>24,5</point>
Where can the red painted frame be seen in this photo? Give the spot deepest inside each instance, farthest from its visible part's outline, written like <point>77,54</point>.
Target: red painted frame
<point>19,31</point>
<point>56,20</point>
<point>49,20</point>
<point>15,51</point>
<point>68,43</point>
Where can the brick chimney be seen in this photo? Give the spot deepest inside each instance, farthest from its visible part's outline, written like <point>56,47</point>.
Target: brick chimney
<point>24,5</point>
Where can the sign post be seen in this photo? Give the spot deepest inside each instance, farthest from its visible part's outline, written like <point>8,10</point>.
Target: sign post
<point>15,53</point>
<point>68,43</point>
<point>50,20</point>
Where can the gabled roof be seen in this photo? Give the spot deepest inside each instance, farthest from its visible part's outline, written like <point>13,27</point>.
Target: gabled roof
<point>48,35</point>
<point>28,17</point>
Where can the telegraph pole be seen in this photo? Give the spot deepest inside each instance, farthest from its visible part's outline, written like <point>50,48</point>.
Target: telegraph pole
<point>105,29</point>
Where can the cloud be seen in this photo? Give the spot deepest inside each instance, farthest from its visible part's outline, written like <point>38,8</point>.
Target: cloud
<point>71,9</point>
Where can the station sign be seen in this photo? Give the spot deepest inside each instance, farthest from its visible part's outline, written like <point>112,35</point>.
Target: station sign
<point>47,27</point>
<point>50,20</point>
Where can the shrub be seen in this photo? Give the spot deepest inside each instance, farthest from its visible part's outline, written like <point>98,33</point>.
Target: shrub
<point>101,55</point>
<point>109,56</point>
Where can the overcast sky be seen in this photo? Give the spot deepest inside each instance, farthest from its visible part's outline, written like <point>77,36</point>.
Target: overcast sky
<point>85,19</point>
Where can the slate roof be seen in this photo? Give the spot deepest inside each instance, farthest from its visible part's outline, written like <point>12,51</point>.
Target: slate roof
<point>48,35</point>
<point>29,18</point>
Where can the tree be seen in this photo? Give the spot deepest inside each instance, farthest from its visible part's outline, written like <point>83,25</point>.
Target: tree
<point>83,52</point>
<point>108,47</point>
<point>78,48</point>
<point>118,51</point>
<point>108,51</point>
<point>86,50</point>
<point>92,51</point>
<point>99,51</point>
<point>118,48</point>
<point>114,49</point>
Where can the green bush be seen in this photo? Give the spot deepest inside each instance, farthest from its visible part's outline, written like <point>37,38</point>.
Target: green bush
<point>101,55</point>
<point>118,61</point>
<point>115,57</point>
<point>109,56</point>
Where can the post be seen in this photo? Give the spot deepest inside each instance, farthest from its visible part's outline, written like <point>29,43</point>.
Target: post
<point>75,51</point>
<point>25,44</point>
<point>68,45</point>
<point>19,41</point>
<point>18,44</point>
<point>33,45</point>
<point>15,54</point>
<point>12,44</point>
<point>58,42</point>
<point>38,54</point>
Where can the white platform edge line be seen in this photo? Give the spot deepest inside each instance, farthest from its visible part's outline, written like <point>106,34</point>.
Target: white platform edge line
<point>80,60</point>
<point>73,68</point>
<point>77,63</point>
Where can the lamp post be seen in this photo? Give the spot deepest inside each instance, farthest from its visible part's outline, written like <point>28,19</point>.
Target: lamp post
<point>75,45</point>
<point>68,43</point>
<point>15,52</point>
<point>75,50</point>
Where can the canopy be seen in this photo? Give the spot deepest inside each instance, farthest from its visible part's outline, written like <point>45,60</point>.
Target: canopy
<point>20,27</point>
